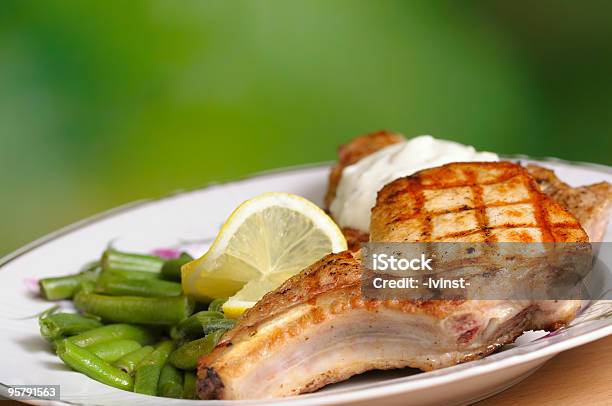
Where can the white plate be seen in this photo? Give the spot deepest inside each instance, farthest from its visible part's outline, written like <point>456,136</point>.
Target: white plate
<point>195,217</point>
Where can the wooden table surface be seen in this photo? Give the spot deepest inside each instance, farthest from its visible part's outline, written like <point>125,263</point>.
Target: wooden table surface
<point>582,376</point>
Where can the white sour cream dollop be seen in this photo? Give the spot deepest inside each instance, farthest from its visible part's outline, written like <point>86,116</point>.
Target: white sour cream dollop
<point>360,182</point>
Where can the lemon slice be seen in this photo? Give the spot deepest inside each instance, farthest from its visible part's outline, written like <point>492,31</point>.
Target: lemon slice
<point>265,241</point>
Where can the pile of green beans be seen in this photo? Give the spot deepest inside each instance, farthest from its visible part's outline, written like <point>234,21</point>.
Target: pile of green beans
<point>136,331</point>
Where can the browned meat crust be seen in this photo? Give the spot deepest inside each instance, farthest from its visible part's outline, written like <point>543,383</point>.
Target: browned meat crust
<point>354,238</point>
<point>590,204</point>
<point>331,272</point>
<point>472,201</point>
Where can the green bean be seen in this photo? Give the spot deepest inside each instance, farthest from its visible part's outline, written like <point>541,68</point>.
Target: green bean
<point>170,382</point>
<point>65,287</point>
<point>171,269</point>
<point>149,370</point>
<point>117,286</point>
<point>192,325</point>
<point>114,332</point>
<point>211,324</point>
<point>111,351</point>
<point>59,287</point>
<point>189,385</point>
<point>129,362</point>
<point>85,362</point>
<point>187,355</point>
<point>62,325</point>
<point>87,287</point>
<point>135,309</point>
<point>132,275</point>
<point>217,305</point>
<point>113,259</point>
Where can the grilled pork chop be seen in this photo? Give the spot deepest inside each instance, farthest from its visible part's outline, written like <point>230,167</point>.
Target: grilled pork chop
<point>317,328</point>
<point>591,204</point>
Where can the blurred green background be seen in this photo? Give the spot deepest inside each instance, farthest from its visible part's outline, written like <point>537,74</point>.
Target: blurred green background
<point>105,102</point>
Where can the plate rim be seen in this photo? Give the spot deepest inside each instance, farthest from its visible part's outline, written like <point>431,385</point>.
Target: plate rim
<point>369,391</point>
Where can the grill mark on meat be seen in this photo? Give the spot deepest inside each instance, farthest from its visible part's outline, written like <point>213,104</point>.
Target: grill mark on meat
<point>477,197</point>
<point>440,178</point>
<point>487,229</point>
<point>426,226</point>
<point>459,209</point>
<point>435,185</point>
<point>539,213</point>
